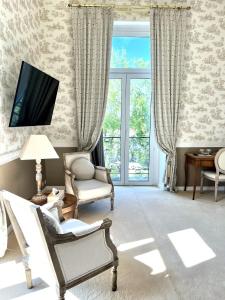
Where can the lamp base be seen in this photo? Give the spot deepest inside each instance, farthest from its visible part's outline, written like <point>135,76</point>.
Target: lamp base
<point>39,199</point>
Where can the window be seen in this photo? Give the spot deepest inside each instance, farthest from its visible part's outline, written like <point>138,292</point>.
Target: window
<point>126,128</point>
<point>126,52</point>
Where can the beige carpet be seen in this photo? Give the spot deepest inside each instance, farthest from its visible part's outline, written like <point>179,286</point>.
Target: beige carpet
<point>170,248</point>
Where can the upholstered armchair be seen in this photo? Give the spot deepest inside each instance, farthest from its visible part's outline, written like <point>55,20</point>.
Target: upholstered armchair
<point>65,253</point>
<point>84,180</point>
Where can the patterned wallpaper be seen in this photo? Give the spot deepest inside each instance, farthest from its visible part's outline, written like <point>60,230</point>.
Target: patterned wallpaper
<point>46,41</point>
<point>57,60</point>
<point>19,40</point>
<point>202,113</point>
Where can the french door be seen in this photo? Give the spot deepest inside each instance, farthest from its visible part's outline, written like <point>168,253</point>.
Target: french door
<point>127,128</point>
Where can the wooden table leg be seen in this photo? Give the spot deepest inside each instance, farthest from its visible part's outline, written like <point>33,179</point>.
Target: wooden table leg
<point>185,173</point>
<point>195,182</point>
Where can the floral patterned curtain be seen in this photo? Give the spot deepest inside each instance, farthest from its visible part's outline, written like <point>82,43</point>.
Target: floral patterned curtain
<point>92,38</point>
<point>168,34</point>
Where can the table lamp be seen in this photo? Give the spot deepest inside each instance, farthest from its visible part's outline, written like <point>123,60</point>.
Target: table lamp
<point>38,147</point>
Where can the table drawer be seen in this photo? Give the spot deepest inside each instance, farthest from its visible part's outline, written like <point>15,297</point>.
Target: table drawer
<point>207,164</point>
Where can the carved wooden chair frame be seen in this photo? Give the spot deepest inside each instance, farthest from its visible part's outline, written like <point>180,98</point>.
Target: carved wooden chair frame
<point>54,239</point>
<point>71,177</point>
<point>218,171</point>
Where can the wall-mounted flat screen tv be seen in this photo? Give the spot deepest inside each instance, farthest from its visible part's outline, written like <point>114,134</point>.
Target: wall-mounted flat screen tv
<point>34,99</point>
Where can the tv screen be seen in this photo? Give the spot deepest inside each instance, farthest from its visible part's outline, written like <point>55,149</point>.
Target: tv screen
<point>34,99</point>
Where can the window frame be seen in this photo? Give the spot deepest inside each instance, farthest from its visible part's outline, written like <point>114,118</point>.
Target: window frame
<point>134,29</point>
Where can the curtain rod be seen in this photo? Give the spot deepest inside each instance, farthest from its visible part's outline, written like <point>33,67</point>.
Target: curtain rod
<point>116,6</point>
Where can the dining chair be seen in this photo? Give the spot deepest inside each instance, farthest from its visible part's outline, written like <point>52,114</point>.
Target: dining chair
<point>218,175</point>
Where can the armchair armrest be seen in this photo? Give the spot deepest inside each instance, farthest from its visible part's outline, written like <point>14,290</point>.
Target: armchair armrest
<point>99,225</point>
<point>88,252</point>
<point>69,173</point>
<point>83,233</point>
<point>102,174</point>
<point>101,168</point>
<point>69,183</point>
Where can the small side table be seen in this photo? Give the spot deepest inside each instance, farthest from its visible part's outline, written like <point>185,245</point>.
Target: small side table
<point>69,209</point>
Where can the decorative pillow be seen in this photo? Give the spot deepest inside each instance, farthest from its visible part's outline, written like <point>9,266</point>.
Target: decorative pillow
<point>50,221</point>
<point>83,169</point>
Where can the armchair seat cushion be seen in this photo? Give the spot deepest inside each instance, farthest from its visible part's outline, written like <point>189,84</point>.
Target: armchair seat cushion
<point>91,189</point>
<point>212,175</point>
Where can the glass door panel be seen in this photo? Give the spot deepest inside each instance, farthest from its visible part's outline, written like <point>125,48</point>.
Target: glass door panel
<point>139,129</point>
<point>126,128</point>
<point>112,129</point>
<point>138,159</point>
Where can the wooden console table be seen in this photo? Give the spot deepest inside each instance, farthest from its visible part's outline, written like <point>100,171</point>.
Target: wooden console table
<point>198,162</point>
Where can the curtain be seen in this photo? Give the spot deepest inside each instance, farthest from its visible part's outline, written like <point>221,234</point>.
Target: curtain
<point>3,228</point>
<point>97,154</point>
<point>168,32</point>
<point>92,38</point>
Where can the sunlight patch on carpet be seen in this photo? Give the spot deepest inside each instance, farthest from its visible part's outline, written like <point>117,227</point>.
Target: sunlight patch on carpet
<point>134,244</point>
<point>191,248</point>
<point>154,260</point>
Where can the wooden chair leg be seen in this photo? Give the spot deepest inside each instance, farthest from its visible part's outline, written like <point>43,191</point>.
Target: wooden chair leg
<point>114,279</point>
<point>61,293</point>
<point>27,272</point>
<point>216,189</point>
<point>76,213</point>
<point>202,182</point>
<point>29,278</point>
<point>112,202</point>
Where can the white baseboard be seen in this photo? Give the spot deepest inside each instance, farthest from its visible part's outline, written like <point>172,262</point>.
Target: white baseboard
<point>205,188</point>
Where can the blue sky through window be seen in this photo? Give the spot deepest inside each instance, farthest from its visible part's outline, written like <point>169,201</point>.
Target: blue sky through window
<point>130,52</point>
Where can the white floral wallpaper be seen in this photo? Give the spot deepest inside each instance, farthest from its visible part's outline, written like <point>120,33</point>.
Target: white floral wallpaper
<point>202,113</point>
<point>57,60</point>
<point>41,33</point>
<point>20,38</point>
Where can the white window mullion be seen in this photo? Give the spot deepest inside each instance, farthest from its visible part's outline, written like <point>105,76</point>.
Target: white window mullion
<point>123,129</point>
